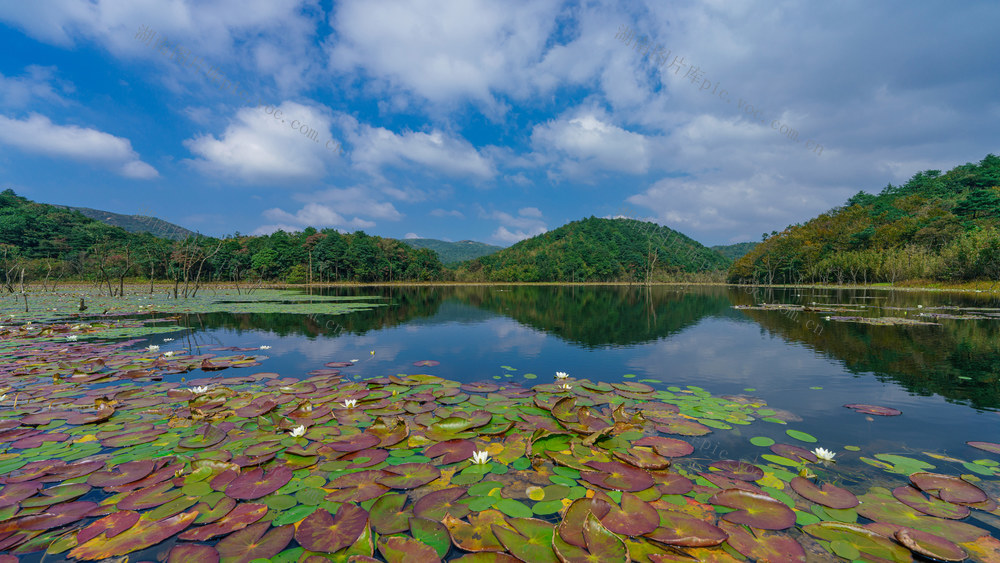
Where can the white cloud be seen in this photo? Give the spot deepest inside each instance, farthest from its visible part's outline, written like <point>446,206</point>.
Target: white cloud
<point>37,134</point>
<point>447,213</point>
<point>526,224</point>
<point>258,148</point>
<point>354,200</point>
<point>34,85</point>
<point>412,236</point>
<point>443,52</point>
<point>586,143</point>
<point>344,209</point>
<point>377,147</point>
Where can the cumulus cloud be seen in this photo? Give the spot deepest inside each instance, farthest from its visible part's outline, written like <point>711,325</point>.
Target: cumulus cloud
<point>444,52</point>
<point>376,147</point>
<point>412,236</point>
<point>37,134</point>
<point>340,208</point>
<point>585,144</point>
<point>514,228</point>
<point>259,148</point>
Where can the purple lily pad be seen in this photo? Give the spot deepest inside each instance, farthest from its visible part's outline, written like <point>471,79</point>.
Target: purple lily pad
<point>127,472</point>
<point>991,447</point>
<point>186,552</point>
<point>667,447</point>
<point>794,453</point>
<point>452,451</point>
<point>912,497</point>
<point>829,495</point>
<point>677,528</point>
<point>740,470</point>
<point>256,483</point>
<point>434,506</point>
<point>427,363</point>
<point>322,532</point>
<point>237,519</point>
<point>255,542</point>
<point>874,409</point>
<point>617,476</point>
<point>948,488</point>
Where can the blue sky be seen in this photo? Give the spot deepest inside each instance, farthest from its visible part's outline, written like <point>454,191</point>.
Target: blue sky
<point>491,121</point>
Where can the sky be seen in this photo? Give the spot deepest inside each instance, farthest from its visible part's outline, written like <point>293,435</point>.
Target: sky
<point>489,121</point>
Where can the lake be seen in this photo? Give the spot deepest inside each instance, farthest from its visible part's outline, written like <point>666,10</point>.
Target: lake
<point>683,411</point>
<point>945,377</point>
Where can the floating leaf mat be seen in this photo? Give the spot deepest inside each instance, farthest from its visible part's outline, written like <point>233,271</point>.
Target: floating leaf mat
<point>101,458</point>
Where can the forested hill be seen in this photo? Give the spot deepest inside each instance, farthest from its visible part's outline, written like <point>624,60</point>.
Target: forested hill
<point>451,253</point>
<point>597,250</point>
<point>137,223</point>
<point>935,226</point>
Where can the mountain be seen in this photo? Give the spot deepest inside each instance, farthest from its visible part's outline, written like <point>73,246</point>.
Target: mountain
<point>935,226</point>
<point>595,250</point>
<point>734,251</point>
<point>451,253</point>
<point>137,223</point>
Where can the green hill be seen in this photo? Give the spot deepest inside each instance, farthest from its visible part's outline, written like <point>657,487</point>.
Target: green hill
<point>935,226</point>
<point>596,250</point>
<point>452,253</point>
<point>734,251</point>
<point>137,223</point>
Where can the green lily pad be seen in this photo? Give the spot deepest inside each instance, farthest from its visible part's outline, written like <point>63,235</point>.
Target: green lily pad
<point>387,515</point>
<point>801,436</point>
<point>432,533</point>
<point>867,542</point>
<point>754,509</point>
<point>401,549</point>
<point>528,539</point>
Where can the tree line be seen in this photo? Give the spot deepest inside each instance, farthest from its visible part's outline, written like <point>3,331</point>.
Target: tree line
<point>49,244</point>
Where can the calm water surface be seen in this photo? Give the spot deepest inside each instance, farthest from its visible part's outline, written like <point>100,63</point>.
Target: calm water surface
<point>944,378</point>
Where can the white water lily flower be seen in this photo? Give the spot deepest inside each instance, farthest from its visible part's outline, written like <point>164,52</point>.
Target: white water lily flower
<point>298,431</point>
<point>824,454</point>
<point>265,347</point>
<point>153,348</point>
<point>355,361</point>
<point>2,397</point>
<point>480,457</point>
<point>350,403</point>
<point>561,375</point>
<point>168,354</point>
<point>72,338</point>
<point>201,389</point>
<point>565,386</point>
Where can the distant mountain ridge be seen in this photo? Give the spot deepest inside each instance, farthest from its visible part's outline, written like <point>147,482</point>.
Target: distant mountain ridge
<point>136,223</point>
<point>734,251</point>
<point>452,253</point>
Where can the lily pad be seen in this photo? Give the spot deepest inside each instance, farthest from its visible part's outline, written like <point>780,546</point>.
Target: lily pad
<point>635,517</point>
<point>528,539</point>
<point>238,518</point>
<point>255,483</point>
<point>617,476</point>
<point>931,546</point>
<point>948,488</point>
<point>668,447</point>
<point>143,534</point>
<point>255,542</point>
<point>874,409</point>
<point>828,495</point>
<point>477,533</point>
<point>436,505</point>
<point>680,529</point>
<point>867,542</point>
<point>933,506</point>
<point>754,509</point>
<point>432,533</point>
<point>991,447</point>
<point>409,475</point>
<point>740,470</point>
<point>320,531</point>
<point>387,515</point>
<point>401,549</point>
<point>761,545</point>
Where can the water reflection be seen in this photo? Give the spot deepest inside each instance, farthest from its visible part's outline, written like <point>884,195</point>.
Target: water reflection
<point>666,333</point>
